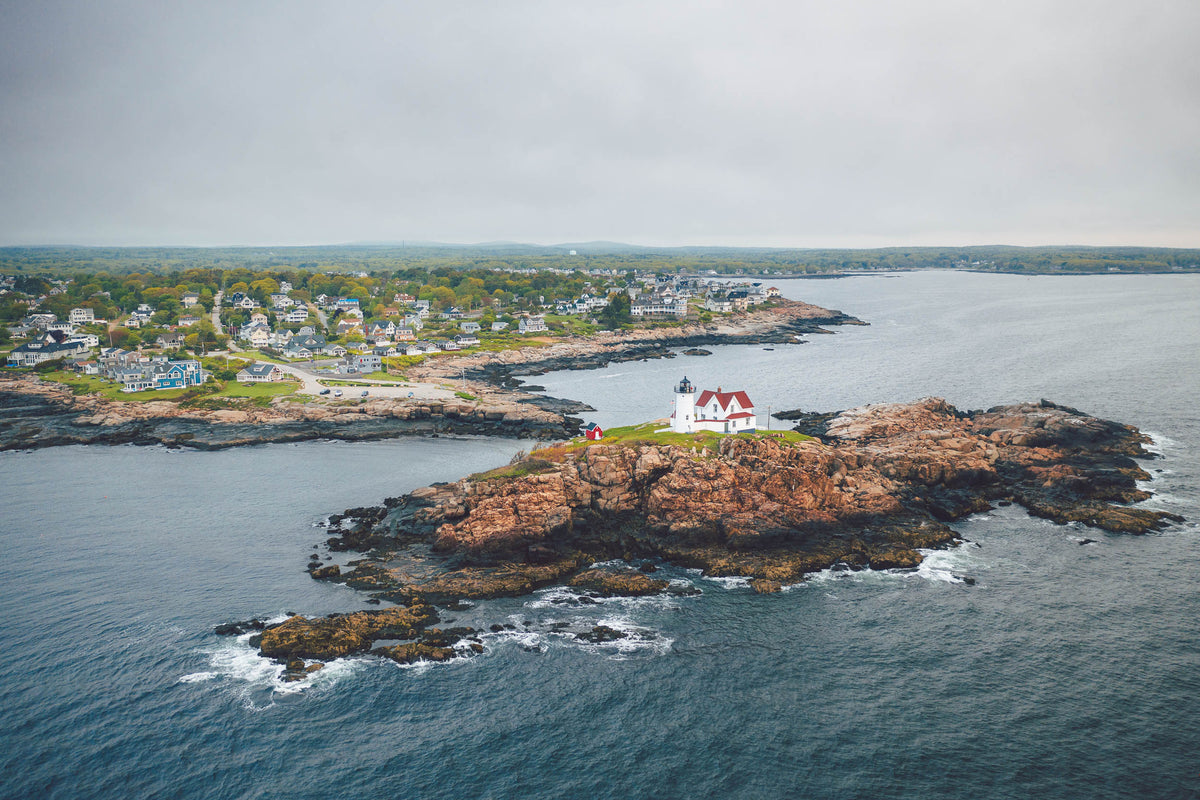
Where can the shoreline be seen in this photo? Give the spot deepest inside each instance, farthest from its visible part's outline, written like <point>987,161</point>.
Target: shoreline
<point>868,488</point>
<point>38,414</point>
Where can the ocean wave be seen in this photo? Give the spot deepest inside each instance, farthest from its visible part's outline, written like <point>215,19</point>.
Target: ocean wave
<point>954,565</point>
<point>255,679</point>
<point>1158,443</point>
<point>546,634</point>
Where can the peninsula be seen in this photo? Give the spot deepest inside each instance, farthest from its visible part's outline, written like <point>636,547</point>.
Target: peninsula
<point>469,391</point>
<point>866,488</point>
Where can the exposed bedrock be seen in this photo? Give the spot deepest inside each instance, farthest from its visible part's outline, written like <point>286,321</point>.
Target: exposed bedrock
<point>877,486</point>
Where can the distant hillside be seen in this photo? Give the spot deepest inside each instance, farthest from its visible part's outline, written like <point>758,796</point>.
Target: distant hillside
<point>390,256</point>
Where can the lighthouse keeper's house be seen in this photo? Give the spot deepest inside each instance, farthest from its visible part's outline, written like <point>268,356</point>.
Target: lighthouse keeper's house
<point>719,411</point>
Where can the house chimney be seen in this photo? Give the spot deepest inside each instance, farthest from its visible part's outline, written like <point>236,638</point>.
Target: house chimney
<point>718,390</point>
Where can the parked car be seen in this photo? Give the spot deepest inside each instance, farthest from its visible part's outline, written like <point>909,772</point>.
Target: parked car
<point>364,394</point>
<point>337,393</point>
<point>324,391</point>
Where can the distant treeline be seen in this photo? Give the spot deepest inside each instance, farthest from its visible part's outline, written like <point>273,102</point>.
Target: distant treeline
<point>390,258</point>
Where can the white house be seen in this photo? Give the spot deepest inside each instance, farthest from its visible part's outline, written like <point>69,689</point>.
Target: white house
<point>532,325</point>
<point>719,411</point>
<point>82,316</point>
<point>260,372</point>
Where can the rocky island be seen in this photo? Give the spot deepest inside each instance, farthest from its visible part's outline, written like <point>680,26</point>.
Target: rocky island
<point>866,488</point>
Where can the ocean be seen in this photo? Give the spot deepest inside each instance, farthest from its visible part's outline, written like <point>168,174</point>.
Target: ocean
<point>1071,668</point>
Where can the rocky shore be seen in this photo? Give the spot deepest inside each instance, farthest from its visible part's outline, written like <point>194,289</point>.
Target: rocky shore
<point>870,488</point>
<point>35,414</point>
<point>784,322</point>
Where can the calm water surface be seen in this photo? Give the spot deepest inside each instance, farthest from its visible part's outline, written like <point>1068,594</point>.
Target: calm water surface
<point>1067,671</point>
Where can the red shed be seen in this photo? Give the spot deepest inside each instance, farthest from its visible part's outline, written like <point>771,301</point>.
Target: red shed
<point>593,432</point>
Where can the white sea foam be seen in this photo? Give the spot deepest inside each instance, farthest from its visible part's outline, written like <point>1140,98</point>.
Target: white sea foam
<point>1158,442</point>
<point>730,583</point>
<point>938,566</point>
<point>234,662</point>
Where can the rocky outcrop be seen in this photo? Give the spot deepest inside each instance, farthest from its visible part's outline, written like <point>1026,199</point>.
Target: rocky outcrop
<point>783,322</point>
<point>42,414</point>
<point>877,486</point>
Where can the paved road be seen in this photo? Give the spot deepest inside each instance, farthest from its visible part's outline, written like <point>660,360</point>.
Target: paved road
<point>216,312</point>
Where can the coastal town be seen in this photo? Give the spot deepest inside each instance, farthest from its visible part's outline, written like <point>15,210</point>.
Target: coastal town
<point>153,333</point>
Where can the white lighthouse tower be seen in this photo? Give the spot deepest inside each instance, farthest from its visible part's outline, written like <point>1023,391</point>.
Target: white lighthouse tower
<point>684,418</point>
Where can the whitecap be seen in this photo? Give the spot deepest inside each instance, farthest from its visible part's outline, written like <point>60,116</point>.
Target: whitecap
<point>1158,443</point>
<point>234,662</point>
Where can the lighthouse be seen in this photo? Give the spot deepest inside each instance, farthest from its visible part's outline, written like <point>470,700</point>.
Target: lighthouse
<point>683,420</point>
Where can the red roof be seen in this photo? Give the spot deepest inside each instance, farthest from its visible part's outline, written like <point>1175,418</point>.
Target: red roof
<point>740,415</point>
<point>723,399</point>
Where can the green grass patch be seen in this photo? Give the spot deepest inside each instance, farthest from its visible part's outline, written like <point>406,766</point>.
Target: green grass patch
<point>464,395</point>
<point>653,433</point>
<point>530,466</point>
<point>258,390</point>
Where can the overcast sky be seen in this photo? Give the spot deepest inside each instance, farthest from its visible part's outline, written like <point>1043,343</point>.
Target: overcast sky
<point>789,123</point>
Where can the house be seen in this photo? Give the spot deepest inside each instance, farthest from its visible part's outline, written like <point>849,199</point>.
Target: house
<point>532,325</point>
<point>346,304</point>
<point>593,432</point>
<point>82,316</point>
<point>361,364</point>
<point>659,305</point>
<point>466,340</point>
<point>160,374</point>
<point>35,352</point>
<point>280,300</point>
<point>721,305</point>
<point>347,326</point>
<point>773,291</point>
<point>258,335</point>
<point>259,318</point>
<point>189,299</point>
<point>449,345</point>
<point>299,314</point>
<point>177,374</point>
<point>242,300</point>
<point>470,327</point>
<point>719,411</point>
<point>188,321</point>
<point>170,341</point>
<point>405,335</point>
<point>89,340</point>
<point>260,372</point>
<point>381,330</point>
<point>497,327</point>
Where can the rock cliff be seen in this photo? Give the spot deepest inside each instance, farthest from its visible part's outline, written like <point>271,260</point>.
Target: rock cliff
<point>878,484</point>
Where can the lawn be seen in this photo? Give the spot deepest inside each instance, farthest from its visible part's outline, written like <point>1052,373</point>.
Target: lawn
<point>258,390</point>
<point>654,433</point>
<point>91,384</point>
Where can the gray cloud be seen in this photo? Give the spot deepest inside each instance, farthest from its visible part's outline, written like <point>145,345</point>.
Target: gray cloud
<point>792,124</point>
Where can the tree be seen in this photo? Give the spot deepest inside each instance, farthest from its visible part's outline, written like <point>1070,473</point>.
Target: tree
<point>616,313</point>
